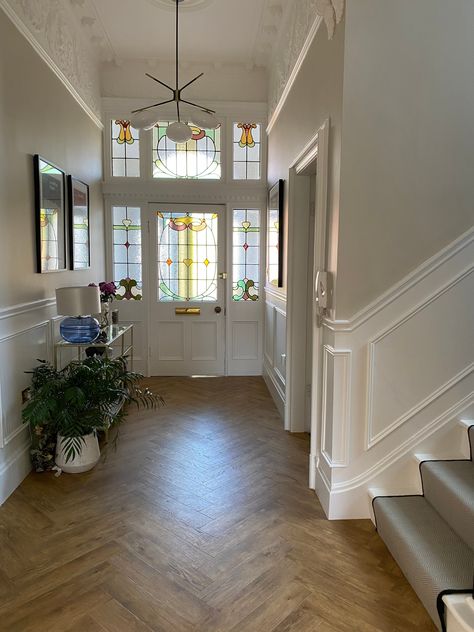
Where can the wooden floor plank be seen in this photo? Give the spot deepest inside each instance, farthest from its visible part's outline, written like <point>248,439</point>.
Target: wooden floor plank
<point>200,521</point>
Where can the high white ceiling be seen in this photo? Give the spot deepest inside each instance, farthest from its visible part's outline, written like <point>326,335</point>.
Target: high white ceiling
<point>211,31</point>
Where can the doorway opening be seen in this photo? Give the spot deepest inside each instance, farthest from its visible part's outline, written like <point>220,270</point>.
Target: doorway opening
<point>306,257</point>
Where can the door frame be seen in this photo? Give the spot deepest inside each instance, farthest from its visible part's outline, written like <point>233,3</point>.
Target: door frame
<point>316,150</point>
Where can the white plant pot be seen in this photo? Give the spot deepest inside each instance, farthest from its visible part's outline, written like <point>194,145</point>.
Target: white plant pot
<point>83,462</point>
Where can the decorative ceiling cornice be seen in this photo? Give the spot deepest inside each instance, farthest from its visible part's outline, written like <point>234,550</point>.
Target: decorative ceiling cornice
<point>51,29</point>
<point>300,28</point>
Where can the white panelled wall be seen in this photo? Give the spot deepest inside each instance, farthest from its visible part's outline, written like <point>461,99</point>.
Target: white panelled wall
<point>274,363</point>
<point>27,333</point>
<point>397,379</point>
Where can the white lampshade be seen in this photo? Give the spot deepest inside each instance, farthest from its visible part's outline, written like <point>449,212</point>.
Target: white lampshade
<point>78,301</point>
<point>179,132</point>
<point>204,120</point>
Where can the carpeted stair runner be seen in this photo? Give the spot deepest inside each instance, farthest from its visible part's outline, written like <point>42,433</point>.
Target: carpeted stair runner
<point>432,536</point>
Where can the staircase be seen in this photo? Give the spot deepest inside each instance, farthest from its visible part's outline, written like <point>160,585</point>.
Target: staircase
<point>432,538</point>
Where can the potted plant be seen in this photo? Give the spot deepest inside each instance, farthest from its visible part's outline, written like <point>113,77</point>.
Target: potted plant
<point>68,407</point>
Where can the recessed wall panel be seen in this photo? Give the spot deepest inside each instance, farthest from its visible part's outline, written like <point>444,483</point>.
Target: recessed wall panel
<point>170,340</point>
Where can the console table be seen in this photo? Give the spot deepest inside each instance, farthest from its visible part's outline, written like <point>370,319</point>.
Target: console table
<point>119,342</point>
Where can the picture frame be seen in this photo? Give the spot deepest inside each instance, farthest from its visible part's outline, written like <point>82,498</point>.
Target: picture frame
<point>50,216</point>
<point>79,226</point>
<point>275,234</point>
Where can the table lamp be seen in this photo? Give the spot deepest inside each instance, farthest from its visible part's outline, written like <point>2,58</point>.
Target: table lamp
<point>78,304</point>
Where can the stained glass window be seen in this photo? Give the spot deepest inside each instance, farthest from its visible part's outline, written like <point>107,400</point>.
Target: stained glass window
<point>198,159</point>
<point>125,149</point>
<point>187,256</point>
<point>127,256</point>
<point>245,254</point>
<point>247,151</point>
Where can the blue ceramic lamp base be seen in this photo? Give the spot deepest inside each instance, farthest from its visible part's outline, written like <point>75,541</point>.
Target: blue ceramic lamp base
<point>79,329</point>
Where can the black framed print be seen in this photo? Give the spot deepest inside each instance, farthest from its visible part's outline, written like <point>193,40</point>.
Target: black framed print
<point>79,232</point>
<point>275,235</point>
<point>50,216</point>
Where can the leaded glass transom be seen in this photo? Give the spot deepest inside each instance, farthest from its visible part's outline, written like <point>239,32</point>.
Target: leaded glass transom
<point>245,254</point>
<point>187,256</point>
<point>125,149</point>
<point>198,159</point>
<point>247,151</point>
<point>127,255</point>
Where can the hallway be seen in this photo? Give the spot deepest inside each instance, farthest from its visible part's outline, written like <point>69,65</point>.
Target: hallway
<point>201,520</point>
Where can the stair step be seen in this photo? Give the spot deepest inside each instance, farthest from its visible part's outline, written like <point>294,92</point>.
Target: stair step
<point>431,555</point>
<point>459,613</point>
<point>449,487</point>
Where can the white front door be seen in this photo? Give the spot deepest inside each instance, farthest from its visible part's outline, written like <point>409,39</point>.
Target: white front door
<point>187,306</point>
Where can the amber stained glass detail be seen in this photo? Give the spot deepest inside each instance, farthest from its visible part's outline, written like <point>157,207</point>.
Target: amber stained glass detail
<point>247,151</point>
<point>125,149</point>
<point>187,256</point>
<point>127,254</point>
<point>197,159</point>
<point>245,254</point>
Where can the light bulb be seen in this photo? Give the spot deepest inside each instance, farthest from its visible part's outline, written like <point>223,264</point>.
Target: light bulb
<point>204,120</point>
<point>143,120</point>
<point>179,132</point>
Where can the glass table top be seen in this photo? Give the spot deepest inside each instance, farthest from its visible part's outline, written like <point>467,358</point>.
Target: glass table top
<point>112,333</point>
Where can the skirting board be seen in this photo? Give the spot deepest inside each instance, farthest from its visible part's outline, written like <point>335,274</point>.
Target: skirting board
<point>274,392</point>
<point>323,491</point>
<point>14,471</point>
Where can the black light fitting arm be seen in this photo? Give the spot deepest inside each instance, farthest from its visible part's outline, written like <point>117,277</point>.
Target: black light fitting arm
<point>177,90</point>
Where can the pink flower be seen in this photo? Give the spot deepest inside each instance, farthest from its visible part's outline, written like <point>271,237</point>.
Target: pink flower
<point>108,290</point>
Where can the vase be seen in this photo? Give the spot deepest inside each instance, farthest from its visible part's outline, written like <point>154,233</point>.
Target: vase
<point>83,462</point>
<point>79,329</point>
<point>105,315</point>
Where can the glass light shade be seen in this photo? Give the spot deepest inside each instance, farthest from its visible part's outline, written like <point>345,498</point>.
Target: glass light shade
<point>79,329</point>
<point>204,120</point>
<point>179,132</point>
<point>143,120</point>
<point>78,301</point>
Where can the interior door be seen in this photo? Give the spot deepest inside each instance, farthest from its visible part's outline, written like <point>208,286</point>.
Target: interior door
<point>187,320</point>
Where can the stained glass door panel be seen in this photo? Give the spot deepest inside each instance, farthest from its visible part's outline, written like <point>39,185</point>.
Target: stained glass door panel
<point>187,256</point>
<point>188,309</point>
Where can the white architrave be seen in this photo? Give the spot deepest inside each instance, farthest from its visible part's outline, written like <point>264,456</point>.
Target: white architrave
<point>317,148</point>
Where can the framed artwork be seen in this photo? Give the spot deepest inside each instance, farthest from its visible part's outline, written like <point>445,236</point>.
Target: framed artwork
<point>50,216</point>
<point>275,235</point>
<point>79,232</point>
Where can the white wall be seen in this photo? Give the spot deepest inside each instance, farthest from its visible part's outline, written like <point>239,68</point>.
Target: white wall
<point>399,372</point>
<point>37,115</point>
<point>396,380</point>
<point>315,96</point>
<point>406,177</point>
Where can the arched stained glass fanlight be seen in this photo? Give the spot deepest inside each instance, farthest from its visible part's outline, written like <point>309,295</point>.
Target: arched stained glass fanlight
<point>198,158</point>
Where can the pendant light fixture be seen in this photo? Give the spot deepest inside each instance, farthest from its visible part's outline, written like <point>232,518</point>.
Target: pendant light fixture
<point>178,131</point>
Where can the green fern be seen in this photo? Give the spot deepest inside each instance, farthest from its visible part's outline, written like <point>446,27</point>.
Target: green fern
<point>82,398</point>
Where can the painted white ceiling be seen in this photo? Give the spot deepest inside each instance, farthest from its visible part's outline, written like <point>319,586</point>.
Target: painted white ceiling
<point>211,31</point>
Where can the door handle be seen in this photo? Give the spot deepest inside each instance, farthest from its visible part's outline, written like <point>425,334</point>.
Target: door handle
<point>218,309</point>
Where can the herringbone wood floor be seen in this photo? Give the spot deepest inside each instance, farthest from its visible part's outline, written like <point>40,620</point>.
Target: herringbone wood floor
<point>201,520</point>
